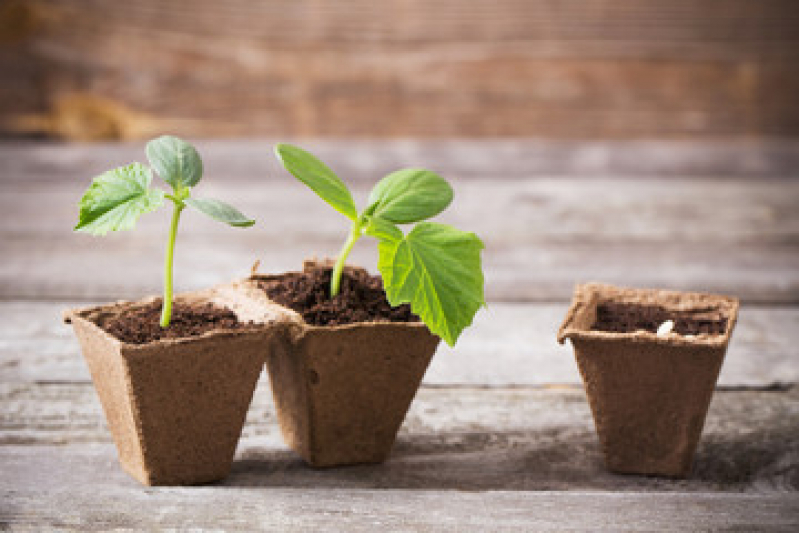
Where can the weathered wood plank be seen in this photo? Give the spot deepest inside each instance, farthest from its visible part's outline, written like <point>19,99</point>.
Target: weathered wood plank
<point>542,236</point>
<point>519,439</point>
<point>115,268</point>
<point>365,160</point>
<point>572,69</point>
<point>83,508</point>
<point>414,22</point>
<point>509,344</point>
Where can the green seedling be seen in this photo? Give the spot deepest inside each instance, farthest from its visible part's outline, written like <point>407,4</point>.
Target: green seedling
<point>434,267</point>
<point>117,198</point>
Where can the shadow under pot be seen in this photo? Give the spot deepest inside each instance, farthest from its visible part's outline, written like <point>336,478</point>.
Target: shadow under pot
<point>342,390</point>
<point>175,399</point>
<point>649,360</point>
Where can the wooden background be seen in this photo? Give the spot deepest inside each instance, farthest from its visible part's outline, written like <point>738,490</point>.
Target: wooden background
<point>599,69</point>
<point>659,150</point>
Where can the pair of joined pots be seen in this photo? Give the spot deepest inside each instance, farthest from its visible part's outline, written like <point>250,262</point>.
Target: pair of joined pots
<point>649,394</point>
<point>176,407</point>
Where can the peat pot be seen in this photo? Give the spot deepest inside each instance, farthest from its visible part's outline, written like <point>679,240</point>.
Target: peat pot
<point>175,407</point>
<point>649,392</point>
<point>342,392</point>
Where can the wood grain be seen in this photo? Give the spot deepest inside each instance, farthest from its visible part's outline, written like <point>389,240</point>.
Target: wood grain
<point>599,69</point>
<point>543,231</point>
<point>287,510</point>
<point>364,160</point>
<point>474,439</point>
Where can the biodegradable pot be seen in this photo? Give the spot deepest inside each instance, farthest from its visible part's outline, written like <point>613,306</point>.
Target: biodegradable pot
<point>342,392</point>
<point>649,395</point>
<point>175,407</point>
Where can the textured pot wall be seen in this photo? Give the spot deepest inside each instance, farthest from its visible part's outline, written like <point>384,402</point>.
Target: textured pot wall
<point>649,394</point>
<point>343,392</point>
<point>174,407</point>
<point>649,401</point>
<point>112,384</point>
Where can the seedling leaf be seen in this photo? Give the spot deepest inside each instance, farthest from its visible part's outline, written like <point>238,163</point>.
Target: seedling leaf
<point>436,268</point>
<point>382,229</point>
<point>175,160</point>
<point>220,211</point>
<point>116,199</point>
<point>316,175</point>
<point>410,195</point>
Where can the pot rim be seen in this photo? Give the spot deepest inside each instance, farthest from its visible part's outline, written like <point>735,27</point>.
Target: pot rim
<point>587,295</point>
<point>90,314</point>
<point>250,285</point>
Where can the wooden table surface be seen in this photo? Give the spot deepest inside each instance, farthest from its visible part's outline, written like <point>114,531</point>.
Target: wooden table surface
<point>500,436</point>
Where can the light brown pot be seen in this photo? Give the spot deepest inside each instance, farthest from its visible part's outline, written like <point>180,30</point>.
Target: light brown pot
<point>649,395</point>
<point>342,392</point>
<point>175,407</point>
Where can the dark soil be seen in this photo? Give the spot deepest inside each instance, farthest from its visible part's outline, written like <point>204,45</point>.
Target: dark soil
<point>360,299</point>
<point>624,318</point>
<point>141,325</point>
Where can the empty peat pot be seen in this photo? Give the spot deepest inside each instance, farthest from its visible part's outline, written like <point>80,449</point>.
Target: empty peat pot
<point>175,406</point>
<point>649,393</point>
<point>342,391</point>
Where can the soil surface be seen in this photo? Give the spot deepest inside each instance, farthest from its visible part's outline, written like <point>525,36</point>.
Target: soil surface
<point>360,299</point>
<point>624,318</point>
<point>141,325</point>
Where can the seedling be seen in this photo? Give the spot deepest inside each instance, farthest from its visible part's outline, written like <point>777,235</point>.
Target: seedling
<point>434,267</point>
<point>117,198</point>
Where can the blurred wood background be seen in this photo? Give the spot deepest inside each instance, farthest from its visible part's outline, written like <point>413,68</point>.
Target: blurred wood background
<point>601,69</point>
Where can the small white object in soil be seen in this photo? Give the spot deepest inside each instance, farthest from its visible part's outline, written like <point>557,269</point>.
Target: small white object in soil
<point>665,328</point>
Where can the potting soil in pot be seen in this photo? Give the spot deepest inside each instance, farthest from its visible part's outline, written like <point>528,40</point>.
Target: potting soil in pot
<point>619,317</point>
<point>361,297</point>
<point>140,324</point>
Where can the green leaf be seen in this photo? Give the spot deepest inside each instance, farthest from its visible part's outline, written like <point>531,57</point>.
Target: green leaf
<point>410,195</point>
<point>382,229</point>
<point>436,268</point>
<point>116,199</point>
<point>175,160</point>
<point>316,175</point>
<point>220,211</point>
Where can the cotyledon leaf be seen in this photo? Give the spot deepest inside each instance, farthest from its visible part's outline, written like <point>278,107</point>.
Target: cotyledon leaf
<point>175,160</point>
<point>410,195</point>
<point>316,175</point>
<point>220,211</point>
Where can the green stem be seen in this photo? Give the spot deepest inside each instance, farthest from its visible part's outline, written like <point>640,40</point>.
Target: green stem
<point>335,280</point>
<point>166,308</point>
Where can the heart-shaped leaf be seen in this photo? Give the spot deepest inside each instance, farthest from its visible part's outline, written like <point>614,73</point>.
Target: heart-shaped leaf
<point>116,199</point>
<point>436,268</point>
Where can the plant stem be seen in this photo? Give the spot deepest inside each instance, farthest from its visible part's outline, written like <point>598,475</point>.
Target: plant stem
<point>166,307</point>
<point>335,280</point>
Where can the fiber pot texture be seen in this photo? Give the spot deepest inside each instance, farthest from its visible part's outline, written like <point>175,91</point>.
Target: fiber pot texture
<point>175,407</point>
<point>649,395</point>
<point>342,392</point>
